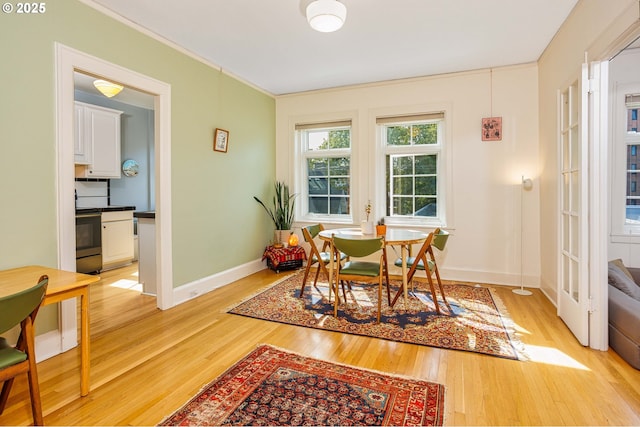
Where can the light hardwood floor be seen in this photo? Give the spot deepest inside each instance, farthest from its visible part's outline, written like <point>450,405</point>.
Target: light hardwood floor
<point>146,363</point>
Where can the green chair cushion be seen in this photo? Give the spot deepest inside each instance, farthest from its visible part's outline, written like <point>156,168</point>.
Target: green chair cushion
<point>326,258</point>
<point>9,356</point>
<point>361,268</point>
<point>411,260</point>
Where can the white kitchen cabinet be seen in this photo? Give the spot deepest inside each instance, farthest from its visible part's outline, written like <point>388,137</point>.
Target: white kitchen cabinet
<point>97,145</point>
<point>117,239</point>
<point>147,252</point>
<point>82,145</point>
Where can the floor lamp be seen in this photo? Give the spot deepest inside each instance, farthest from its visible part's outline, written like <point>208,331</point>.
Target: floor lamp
<point>525,185</point>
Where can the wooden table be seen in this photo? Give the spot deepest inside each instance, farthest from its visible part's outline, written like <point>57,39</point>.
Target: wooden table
<point>394,237</point>
<point>62,285</point>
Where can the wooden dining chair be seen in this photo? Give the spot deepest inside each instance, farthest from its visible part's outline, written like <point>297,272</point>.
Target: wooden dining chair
<point>360,271</point>
<point>322,258</point>
<point>426,261</point>
<point>21,309</point>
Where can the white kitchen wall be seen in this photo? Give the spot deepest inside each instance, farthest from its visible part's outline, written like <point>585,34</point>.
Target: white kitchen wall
<point>484,220</point>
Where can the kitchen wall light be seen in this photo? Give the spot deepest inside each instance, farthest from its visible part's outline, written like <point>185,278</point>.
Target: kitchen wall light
<point>108,89</point>
<point>326,15</point>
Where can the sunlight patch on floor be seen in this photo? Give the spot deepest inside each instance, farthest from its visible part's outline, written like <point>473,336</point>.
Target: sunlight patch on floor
<point>360,296</point>
<point>552,356</point>
<point>132,285</point>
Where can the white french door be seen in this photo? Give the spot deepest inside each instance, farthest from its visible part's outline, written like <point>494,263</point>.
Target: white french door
<point>573,281</point>
<point>582,284</point>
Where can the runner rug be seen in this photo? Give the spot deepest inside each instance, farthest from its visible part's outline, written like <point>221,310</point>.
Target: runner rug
<point>475,320</point>
<point>277,388</point>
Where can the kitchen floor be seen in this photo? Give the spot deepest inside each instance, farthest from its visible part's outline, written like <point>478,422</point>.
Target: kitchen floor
<point>117,300</point>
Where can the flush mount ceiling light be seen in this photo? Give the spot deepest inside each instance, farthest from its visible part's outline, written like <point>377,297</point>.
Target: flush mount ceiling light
<point>108,89</point>
<point>326,15</point>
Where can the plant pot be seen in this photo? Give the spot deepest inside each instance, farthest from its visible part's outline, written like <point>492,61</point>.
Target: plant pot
<point>366,227</point>
<point>381,230</point>
<point>282,237</point>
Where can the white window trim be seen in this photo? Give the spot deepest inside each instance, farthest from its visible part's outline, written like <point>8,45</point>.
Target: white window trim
<point>620,231</point>
<point>300,172</point>
<point>445,176</point>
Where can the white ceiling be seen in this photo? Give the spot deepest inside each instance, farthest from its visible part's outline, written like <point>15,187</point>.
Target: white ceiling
<point>269,44</point>
<point>128,95</point>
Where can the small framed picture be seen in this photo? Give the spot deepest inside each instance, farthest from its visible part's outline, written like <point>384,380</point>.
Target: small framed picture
<point>221,140</point>
<point>492,129</point>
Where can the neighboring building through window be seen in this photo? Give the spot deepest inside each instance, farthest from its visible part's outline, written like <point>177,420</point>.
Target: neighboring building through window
<point>413,150</point>
<point>632,140</point>
<point>326,174</point>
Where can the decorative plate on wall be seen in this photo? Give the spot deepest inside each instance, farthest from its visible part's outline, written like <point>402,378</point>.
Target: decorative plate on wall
<point>130,168</point>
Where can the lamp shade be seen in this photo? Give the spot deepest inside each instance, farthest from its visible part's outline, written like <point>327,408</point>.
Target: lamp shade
<point>108,89</point>
<point>326,15</point>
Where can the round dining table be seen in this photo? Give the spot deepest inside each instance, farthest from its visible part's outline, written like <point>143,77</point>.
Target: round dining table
<point>394,236</point>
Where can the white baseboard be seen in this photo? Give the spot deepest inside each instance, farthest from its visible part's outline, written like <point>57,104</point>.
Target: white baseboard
<point>48,345</point>
<point>207,284</point>
<point>505,279</point>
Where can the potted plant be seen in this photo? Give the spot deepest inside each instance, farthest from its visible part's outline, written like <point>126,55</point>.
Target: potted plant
<point>381,229</point>
<point>282,211</point>
<point>366,226</point>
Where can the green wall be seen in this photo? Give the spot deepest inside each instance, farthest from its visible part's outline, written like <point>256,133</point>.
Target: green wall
<point>216,223</point>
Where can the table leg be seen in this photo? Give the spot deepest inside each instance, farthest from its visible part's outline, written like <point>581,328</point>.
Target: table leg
<point>84,342</point>
<point>405,254</point>
<point>332,266</point>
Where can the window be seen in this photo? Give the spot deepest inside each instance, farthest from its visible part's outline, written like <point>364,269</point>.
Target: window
<point>632,140</point>
<point>326,160</point>
<point>413,149</point>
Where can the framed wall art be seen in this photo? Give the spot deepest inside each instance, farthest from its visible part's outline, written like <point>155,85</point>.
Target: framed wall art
<point>492,129</point>
<point>221,140</point>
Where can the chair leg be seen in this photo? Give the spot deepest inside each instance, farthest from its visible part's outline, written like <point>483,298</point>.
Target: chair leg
<point>315,279</point>
<point>386,274</point>
<point>304,279</point>
<point>336,299</point>
<point>444,298</point>
<point>396,297</point>
<point>6,388</point>
<point>34,391</point>
<point>34,387</point>
<point>433,292</point>
<point>379,298</point>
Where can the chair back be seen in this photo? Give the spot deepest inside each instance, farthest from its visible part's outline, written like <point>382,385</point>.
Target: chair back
<point>15,308</point>
<point>358,248</point>
<point>440,238</point>
<point>311,231</point>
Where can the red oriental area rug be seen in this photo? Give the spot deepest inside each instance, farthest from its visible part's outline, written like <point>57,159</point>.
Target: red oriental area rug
<point>277,388</point>
<point>477,322</point>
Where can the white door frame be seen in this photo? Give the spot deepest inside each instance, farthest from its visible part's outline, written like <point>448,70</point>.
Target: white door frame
<point>67,61</point>
<point>598,204</point>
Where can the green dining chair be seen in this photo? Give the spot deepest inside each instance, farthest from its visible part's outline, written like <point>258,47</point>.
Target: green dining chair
<point>360,271</point>
<point>322,258</point>
<point>21,309</point>
<point>425,257</point>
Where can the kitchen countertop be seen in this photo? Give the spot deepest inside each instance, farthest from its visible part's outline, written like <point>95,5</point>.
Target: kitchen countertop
<point>106,209</point>
<point>147,214</point>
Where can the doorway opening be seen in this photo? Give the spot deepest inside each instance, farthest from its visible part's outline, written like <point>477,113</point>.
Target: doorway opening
<point>129,183</point>
<point>68,62</point>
